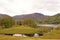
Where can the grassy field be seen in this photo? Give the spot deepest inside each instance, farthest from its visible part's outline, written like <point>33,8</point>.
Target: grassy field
<point>25,30</point>
<point>2,37</point>
<point>54,35</point>
<point>19,30</point>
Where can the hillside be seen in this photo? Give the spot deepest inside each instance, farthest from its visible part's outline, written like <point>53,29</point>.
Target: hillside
<point>21,30</point>
<point>55,19</point>
<point>3,15</point>
<point>35,16</point>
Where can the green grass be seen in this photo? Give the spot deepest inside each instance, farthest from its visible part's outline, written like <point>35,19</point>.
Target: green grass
<point>3,37</point>
<point>25,30</point>
<point>53,35</point>
<point>17,30</point>
<point>29,30</point>
<point>44,29</point>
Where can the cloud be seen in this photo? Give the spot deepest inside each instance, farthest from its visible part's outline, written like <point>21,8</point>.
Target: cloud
<point>51,5</point>
<point>16,7</point>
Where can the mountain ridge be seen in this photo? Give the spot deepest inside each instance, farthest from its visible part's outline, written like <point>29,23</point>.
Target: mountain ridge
<point>35,16</point>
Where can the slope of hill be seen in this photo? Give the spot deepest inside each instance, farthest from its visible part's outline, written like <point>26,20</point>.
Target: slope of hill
<point>57,14</point>
<point>53,35</point>
<point>4,15</point>
<point>35,16</point>
<point>55,19</point>
<point>19,30</point>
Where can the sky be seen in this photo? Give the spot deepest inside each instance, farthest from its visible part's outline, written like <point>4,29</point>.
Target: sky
<point>19,7</point>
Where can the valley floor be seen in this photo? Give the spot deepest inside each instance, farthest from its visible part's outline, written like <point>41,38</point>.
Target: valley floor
<point>2,37</point>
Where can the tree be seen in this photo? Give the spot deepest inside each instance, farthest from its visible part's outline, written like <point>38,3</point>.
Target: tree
<point>29,22</point>
<point>7,22</point>
<point>44,29</point>
<point>51,20</point>
<point>18,23</point>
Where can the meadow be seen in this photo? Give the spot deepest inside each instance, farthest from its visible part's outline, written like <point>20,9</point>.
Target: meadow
<point>54,35</point>
<point>3,37</point>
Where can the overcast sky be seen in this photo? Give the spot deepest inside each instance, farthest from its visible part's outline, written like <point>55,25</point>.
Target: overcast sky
<point>18,7</point>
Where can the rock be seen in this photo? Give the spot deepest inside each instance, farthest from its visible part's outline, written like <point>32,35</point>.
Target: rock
<point>36,35</point>
<point>24,35</point>
<point>18,35</point>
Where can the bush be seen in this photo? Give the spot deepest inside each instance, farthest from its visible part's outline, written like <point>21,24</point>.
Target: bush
<point>29,22</point>
<point>55,34</point>
<point>45,29</point>
<point>7,22</point>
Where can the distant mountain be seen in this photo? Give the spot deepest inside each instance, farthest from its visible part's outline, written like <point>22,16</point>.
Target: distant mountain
<point>35,16</point>
<point>55,19</point>
<point>57,14</point>
<point>3,15</point>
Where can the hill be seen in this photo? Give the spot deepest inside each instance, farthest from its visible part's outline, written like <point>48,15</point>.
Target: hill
<point>35,16</point>
<point>55,19</point>
<point>4,15</point>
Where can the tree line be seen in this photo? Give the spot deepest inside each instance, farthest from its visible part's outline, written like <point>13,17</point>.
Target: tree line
<point>7,22</point>
<point>50,20</point>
